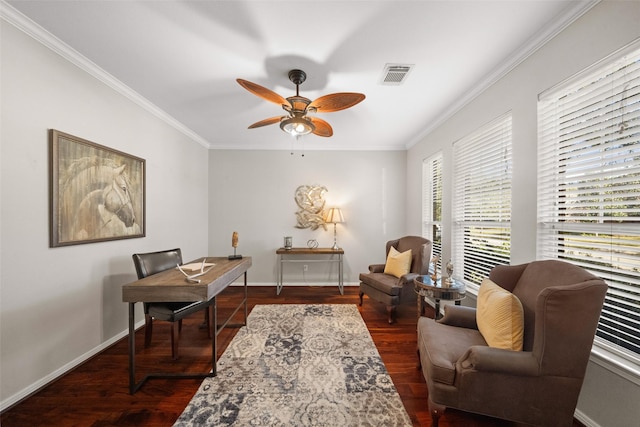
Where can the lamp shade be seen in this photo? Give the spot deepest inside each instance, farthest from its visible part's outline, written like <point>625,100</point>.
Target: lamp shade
<point>334,216</point>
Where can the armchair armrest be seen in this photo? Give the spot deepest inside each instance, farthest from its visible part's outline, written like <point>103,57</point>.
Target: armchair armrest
<point>459,315</point>
<point>509,362</point>
<point>376,268</point>
<point>407,278</point>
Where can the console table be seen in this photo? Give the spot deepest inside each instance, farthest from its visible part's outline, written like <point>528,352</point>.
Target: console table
<point>307,255</point>
<point>172,286</point>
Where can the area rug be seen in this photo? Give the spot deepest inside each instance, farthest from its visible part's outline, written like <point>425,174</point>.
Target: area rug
<point>299,365</point>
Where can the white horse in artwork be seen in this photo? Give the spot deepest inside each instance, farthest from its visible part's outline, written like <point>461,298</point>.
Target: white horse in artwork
<point>97,201</point>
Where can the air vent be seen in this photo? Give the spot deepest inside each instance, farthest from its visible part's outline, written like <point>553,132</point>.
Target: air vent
<point>395,74</point>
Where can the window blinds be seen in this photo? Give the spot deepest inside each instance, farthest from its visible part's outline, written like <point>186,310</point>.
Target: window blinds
<point>482,200</point>
<point>589,185</point>
<point>432,202</point>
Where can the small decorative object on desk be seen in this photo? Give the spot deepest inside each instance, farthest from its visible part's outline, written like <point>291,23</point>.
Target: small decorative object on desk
<point>312,243</point>
<point>234,243</point>
<point>434,275</point>
<point>192,277</point>
<point>449,273</point>
<point>288,242</point>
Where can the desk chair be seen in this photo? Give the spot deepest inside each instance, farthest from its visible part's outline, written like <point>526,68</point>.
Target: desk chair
<point>151,263</point>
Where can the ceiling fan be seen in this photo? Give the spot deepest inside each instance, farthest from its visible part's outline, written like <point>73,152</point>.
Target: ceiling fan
<point>297,123</point>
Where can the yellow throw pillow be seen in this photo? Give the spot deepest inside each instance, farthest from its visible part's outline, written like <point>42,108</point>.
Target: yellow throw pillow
<point>398,264</point>
<point>500,317</point>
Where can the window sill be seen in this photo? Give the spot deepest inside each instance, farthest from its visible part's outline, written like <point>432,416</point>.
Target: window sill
<point>615,362</point>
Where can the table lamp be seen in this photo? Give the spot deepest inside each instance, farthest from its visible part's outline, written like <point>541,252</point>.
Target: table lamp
<point>334,216</point>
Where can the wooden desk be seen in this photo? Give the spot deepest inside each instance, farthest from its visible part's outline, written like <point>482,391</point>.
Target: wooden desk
<point>283,258</point>
<point>171,285</point>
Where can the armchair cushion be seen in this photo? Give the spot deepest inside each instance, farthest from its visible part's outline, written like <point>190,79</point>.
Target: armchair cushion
<point>449,344</point>
<point>500,317</point>
<point>382,282</point>
<point>398,263</point>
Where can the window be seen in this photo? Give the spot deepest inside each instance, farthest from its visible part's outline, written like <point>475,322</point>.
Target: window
<point>482,201</point>
<point>432,203</point>
<point>589,187</point>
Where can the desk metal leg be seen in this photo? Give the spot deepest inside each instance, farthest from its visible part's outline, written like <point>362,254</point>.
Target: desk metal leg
<point>246,298</point>
<point>135,386</point>
<point>213,312</point>
<point>214,339</point>
<point>279,284</point>
<point>132,348</point>
<point>340,277</point>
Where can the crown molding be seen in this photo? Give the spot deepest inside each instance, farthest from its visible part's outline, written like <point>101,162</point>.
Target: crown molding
<point>534,43</point>
<point>14,17</point>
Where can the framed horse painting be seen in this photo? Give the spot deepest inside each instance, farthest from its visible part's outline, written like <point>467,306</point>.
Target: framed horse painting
<point>95,193</point>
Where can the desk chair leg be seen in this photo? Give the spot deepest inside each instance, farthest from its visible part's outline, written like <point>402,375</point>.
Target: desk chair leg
<point>148,329</point>
<point>175,330</point>
<point>205,322</point>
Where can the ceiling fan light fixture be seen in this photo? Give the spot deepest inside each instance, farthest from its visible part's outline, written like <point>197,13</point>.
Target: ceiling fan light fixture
<point>297,123</point>
<point>297,126</point>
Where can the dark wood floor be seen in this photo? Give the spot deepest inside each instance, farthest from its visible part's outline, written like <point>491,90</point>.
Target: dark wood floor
<point>96,393</point>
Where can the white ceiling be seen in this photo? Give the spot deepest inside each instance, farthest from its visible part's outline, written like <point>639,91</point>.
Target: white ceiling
<point>184,56</point>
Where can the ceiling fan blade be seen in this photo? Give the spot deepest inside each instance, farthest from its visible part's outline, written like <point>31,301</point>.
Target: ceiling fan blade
<point>262,92</point>
<point>322,127</point>
<point>335,102</point>
<point>266,122</point>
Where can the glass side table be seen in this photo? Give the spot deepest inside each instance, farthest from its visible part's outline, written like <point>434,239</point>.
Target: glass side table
<point>439,291</point>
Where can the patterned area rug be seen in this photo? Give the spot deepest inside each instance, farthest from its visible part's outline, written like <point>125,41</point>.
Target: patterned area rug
<point>299,365</point>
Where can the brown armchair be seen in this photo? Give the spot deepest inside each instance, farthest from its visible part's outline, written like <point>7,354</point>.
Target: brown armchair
<point>561,304</point>
<point>154,262</point>
<point>391,290</point>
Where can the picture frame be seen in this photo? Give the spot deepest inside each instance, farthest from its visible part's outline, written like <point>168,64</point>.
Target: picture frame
<point>96,193</point>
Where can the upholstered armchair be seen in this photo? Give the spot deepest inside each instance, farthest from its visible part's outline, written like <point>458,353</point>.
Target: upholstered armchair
<point>392,283</point>
<point>530,335</point>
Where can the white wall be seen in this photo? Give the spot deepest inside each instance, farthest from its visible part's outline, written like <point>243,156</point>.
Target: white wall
<point>57,305</point>
<point>606,400</point>
<point>252,192</point>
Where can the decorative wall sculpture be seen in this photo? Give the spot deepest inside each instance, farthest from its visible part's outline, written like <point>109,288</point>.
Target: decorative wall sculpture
<point>310,201</point>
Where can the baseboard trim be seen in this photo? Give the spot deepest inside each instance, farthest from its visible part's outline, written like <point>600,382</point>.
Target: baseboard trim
<point>584,419</point>
<point>45,381</point>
